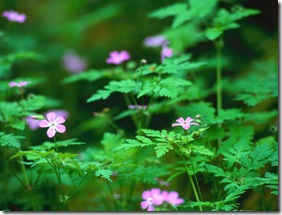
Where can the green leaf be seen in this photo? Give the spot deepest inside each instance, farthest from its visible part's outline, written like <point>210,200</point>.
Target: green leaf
<point>171,10</point>
<point>90,76</point>
<point>201,150</point>
<point>105,173</point>
<point>10,140</point>
<point>162,148</point>
<point>123,86</point>
<point>229,114</point>
<point>213,33</point>
<point>51,145</point>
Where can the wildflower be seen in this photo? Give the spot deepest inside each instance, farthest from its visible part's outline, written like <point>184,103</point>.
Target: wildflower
<point>152,198</point>
<point>73,63</point>
<point>166,53</point>
<point>154,41</point>
<point>20,84</point>
<point>14,16</point>
<point>118,57</point>
<point>54,124</point>
<point>33,121</point>
<point>185,123</point>
<point>172,198</point>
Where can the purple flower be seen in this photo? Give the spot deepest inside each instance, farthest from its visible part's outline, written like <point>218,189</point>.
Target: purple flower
<point>118,57</point>
<point>14,16</point>
<point>152,198</point>
<point>54,124</point>
<point>32,123</point>
<point>172,198</point>
<point>73,63</point>
<point>154,41</point>
<point>185,123</point>
<point>20,84</point>
<point>166,53</point>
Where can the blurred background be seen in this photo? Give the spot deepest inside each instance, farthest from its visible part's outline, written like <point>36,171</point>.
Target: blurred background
<point>91,29</point>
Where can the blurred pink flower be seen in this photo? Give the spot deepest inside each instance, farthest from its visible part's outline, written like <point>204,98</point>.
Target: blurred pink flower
<point>20,84</point>
<point>54,124</point>
<point>118,57</point>
<point>32,123</point>
<point>172,198</point>
<point>185,123</point>
<point>73,63</point>
<point>166,53</point>
<point>154,41</point>
<point>14,16</point>
<point>155,197</point>
<point>152,198</point>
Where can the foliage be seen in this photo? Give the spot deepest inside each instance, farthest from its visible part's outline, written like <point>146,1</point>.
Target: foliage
<point>124,133</point>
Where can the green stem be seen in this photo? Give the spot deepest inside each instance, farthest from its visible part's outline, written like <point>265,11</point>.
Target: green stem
<point>219,46</point>
<point>58,175</point>
<point>190,178</point>
<point>112,194</point>
<point>193,185</point>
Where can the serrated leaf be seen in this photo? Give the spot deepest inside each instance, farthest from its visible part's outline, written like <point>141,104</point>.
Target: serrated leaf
<point>162,148</point>
<point>51,145</point>
<point>105,173</point>
<point>10,140</point>
<point>123,86</point>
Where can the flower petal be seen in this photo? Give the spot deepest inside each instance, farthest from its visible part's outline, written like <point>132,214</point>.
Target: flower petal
<point>180,120</point>
<point>51,132</point>
<point>144,204</point>
<point>176,124</point>
<point>59,120</point>
<point>44,123</point>
<point>60,128</point>
<point>51,116</point>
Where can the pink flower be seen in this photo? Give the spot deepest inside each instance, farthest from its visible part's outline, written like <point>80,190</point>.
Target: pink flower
<point>14,16</point>
<point>172,198</point>
<point>166,53</point>
<point>33,121</point>
<point>20,84</point>
<point>185,123</point>
<point>118,57</point>
<point>73,63</point>
<point>154,41</point>
<point>54,124</point>
<point>152,198</point>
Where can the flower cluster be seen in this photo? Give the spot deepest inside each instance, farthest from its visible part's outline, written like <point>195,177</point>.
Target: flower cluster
<point>14,16</point>
<point>156,197</point>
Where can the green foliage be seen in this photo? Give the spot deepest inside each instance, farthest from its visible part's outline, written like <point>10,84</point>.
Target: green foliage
<point>51,145</point>
<point>183,13</point>
<point>10,140</point>
<point>225,20</point>
<point>124,86</point>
